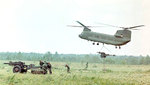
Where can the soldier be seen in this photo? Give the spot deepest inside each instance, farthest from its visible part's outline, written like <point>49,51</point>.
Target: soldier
<point>68,68</point>
<point>41,63</point>
<point>44,66</point>
<point>49,67</point>
<point>86,65</point>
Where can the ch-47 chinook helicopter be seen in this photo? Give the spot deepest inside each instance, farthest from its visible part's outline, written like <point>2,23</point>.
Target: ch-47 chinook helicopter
<point>121,37</point>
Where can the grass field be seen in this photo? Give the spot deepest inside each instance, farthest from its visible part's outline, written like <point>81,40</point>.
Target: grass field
<point>94,75</point>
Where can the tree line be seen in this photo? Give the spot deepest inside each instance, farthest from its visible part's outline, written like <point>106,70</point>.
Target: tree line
<point>82,58</point>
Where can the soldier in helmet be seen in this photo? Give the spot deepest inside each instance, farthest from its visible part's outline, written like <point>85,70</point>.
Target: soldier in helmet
<point>41,63</point>
<point>68,68</point>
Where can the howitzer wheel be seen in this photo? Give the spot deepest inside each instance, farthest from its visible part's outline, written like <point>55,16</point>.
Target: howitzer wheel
<point>17,69</point>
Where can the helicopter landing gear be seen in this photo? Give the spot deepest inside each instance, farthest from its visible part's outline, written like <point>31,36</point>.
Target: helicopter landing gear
<point>93,43</point>
<point>117,47</point>
<point>97,43</point>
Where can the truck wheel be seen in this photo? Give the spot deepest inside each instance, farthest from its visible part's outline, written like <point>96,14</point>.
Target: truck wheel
<point>17,69</point>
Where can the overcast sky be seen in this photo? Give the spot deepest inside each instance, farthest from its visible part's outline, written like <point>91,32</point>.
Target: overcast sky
<point>41,25</point>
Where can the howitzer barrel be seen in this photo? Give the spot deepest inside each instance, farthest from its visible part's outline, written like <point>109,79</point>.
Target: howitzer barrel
<point>15,63</point>
<point>6,63</point>
<point>10,63</point>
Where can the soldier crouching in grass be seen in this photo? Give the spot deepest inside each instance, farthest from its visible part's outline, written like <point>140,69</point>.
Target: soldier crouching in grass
<point>68,68</point>
<point>49,67</point>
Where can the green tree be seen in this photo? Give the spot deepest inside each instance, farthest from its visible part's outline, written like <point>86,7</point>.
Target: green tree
<point>147,60</point>
<point>19,56</point>
<point>141,62</point>
<point>47,56</point>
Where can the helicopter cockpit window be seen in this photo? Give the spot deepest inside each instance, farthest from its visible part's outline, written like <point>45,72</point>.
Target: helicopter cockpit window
<point>119,36</point>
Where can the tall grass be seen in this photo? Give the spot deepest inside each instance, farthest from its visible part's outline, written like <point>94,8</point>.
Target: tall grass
<point>93,75</point>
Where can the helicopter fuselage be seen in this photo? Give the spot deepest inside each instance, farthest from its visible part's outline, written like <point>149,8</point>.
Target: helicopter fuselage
<point>104,38</point>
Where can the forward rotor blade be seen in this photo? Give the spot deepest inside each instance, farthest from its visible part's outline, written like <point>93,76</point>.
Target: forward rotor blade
<point>73,26</point>
<point>82,26</point>
<point>110,25</point>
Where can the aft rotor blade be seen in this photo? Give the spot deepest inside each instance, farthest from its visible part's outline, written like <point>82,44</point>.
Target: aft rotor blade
<point>100,52</point>
<point>136,26</point>
<point>123,27</point>
<point>135,29</point>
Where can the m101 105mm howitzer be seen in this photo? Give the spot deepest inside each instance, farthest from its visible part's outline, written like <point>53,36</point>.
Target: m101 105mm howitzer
<point>21,67</point>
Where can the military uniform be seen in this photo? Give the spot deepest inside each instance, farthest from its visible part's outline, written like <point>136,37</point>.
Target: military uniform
<point>41,63</point>
<point>49,67</point>
<point>68,68</point>
<point>86,65</point>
